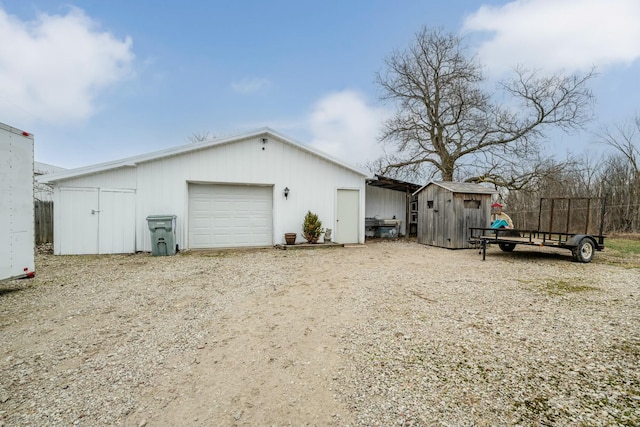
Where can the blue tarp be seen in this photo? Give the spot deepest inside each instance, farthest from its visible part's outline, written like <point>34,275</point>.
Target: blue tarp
<point>499,223</point>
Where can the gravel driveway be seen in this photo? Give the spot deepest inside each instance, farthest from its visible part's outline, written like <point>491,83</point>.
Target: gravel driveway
<point>390,333</point>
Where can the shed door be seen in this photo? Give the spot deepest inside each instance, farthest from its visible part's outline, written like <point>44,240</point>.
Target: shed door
<point>226,216</point>
<point>347,218</point>
<point>95,221</point>
<point>432,225</point>
<point>474,216</point>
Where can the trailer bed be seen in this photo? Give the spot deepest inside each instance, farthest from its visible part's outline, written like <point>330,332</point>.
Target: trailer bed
<point>582,246</point>
<point>581,243</point>
<point>532,237</point>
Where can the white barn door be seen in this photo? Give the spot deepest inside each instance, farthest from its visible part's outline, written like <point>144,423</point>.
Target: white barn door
<point>76,221</point>
<point>117,222</point>
<point>94,221</point>
<point>347,218</point>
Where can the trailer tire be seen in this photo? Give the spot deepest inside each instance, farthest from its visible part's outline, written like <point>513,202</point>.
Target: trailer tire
<point>585,250</point>
<point>507,247</point>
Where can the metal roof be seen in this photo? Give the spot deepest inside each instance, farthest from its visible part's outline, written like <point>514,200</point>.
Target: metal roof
<point>392,184</point>
<point>460,187</point>
<point>174,151</point>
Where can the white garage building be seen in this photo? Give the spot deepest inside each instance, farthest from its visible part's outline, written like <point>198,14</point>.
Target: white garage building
<point>243,191</point>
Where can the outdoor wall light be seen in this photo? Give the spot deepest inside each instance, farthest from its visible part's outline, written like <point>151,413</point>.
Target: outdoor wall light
<point>286,192</point>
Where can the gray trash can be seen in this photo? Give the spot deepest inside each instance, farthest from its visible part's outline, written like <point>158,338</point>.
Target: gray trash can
<point>163,234</point>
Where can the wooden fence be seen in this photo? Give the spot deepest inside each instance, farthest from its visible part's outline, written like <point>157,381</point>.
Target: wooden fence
<point>43,217</point>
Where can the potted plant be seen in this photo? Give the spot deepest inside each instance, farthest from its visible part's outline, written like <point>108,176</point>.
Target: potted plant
<point>312,227</point>
<point>290,238</point>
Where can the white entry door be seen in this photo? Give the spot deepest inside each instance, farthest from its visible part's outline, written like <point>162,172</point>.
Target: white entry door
<point>94,221</point>
<point>347,220</point>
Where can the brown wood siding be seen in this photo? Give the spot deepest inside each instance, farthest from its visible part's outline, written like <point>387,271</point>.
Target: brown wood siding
<point>446,224</point>
<point>448,218</point>
<point>43,221</point>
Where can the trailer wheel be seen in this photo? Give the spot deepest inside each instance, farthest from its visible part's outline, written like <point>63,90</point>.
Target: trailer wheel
<point>585,250</point>
<point>507,247</point>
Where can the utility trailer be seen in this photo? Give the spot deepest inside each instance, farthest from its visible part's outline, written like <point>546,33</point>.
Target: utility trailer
<point>17,248</point>
<point>574,223</point>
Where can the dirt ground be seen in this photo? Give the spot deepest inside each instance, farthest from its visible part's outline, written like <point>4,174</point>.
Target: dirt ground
<point>320,337</point>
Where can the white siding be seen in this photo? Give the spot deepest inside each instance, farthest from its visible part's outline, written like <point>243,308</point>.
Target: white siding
<point>385,203</point>
<point>312,180</point>
<point>117,178</point>
<point>161,185</point>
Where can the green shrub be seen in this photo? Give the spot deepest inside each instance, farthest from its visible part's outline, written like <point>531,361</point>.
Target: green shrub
<point>312,227</point>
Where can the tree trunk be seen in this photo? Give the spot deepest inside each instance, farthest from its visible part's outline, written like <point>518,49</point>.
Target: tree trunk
<point>447,169</point>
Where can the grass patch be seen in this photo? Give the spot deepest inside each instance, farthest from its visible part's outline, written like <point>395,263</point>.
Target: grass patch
<point>623,246</point>
<point>564,287</point>
<point>621,251</point>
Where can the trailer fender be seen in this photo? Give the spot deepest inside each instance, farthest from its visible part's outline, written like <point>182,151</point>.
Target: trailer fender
<point>573,241</point>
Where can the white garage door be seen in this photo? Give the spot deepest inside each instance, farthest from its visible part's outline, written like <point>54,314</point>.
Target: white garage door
<point>227,216</point>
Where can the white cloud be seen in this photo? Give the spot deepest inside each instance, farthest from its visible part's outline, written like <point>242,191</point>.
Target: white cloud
<point>249,86</point>
<point>345,126</point>
<point>54,67</point>
<point>558,35</point>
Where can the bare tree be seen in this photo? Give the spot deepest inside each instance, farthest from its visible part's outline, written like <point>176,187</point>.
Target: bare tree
<point>621,180</point>
<point>621,189</point>
<point>526,174</point>
<point>625,138</point>
<point>412,173</point>
<point>566,179</point>
<point>444,115</point>
<point>200,136</point>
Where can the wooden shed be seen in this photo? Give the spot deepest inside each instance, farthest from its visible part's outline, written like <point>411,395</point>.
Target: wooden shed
<point>446,211</point>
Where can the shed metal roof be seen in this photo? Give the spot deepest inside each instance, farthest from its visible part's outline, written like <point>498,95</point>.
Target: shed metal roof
<point>460,187</point>
<point>174,151</point>
<point>392,184</point>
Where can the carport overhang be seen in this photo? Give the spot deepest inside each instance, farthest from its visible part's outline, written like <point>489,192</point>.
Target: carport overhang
<point>407,188</point>
<point>392,184</point>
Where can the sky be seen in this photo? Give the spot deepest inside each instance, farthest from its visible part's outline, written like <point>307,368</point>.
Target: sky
<point>96,80</point>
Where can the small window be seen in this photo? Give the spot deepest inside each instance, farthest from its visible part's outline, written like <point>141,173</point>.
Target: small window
<point>429,204</point>
<point>472,204</point>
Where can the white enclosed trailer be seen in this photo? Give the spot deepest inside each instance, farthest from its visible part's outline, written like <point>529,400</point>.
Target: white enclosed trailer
<point>17,250</point>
